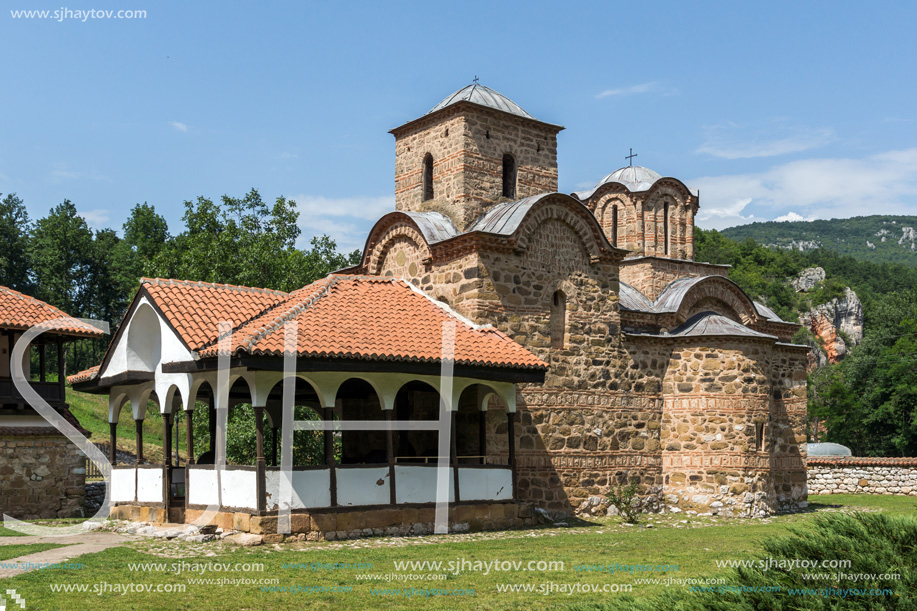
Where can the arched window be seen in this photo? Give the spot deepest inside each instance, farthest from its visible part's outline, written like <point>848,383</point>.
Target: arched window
<point>665,227</point>
<point>427,177</point>
<point>614,225</point>
<point>509,176</point>
<point>558,320</point>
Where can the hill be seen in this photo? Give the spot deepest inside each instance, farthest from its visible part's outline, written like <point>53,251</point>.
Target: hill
<point>879,238</point>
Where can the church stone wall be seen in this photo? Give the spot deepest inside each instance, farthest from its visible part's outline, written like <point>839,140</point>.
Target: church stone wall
<point>650,275</point>
<point>41,477</point>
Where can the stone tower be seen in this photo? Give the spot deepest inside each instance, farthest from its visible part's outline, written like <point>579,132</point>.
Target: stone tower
<point>474,149</point>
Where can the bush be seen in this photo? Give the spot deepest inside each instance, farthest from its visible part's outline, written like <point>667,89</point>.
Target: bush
<point>625,500</point>
<point>874,544</point>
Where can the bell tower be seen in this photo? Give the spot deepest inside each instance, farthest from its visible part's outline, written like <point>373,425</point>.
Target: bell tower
<point>474,149</point>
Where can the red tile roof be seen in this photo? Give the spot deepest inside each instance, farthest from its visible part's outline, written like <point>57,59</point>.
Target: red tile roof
<point>358,317</point>
<point>84,376</point>
<point>195,308</point>
<point>19,311</point>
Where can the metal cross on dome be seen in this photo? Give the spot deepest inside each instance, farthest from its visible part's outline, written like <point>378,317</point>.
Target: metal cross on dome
<point>630,157</point>
<point>475,78</point>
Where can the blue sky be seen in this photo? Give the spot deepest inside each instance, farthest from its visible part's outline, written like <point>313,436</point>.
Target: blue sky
<point>771,109</point>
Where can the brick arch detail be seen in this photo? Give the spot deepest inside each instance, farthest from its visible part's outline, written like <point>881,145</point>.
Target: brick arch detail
<point>589,233</point>
<point>723,291</point>
<point>380,250</point>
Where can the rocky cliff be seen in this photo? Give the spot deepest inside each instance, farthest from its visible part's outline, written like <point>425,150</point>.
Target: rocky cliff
<point>838,324</point>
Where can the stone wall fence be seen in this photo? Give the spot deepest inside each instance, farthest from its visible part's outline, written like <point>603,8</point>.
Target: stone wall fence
<point>853,475</point>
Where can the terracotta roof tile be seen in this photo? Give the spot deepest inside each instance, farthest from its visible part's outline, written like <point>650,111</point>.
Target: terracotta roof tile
<point>19,311</point>
<point>84,376</point>
<point>372,318</point>
<point>195,309</point>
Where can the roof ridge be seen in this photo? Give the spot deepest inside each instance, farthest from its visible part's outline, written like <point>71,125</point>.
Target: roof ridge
<point>291,313</point>
<point>203,284</point>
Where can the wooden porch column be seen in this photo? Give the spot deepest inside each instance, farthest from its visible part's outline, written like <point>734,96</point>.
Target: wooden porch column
<point>112,438</point>
<point>166,454</point>
<point>260,477</point>
<point>328,416</point>
<point>189,435</point>
<point>138,424</point>
<point>61,369</point>
<point>511,431</point>
<point>390,453</point>
<point>177,433</point>
<point>454,456</point>
<point>482,435</point>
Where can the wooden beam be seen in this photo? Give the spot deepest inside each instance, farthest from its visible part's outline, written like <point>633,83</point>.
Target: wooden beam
<point>482,435</point>
<point>454,457</point>
<point>61,370</point>
<point>212,424</point>
<point>167,454</point>
<point>42,364</point>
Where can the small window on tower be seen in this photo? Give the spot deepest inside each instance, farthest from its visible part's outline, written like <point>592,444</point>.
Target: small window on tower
<point>558,320</point>
<point>427,177</point>
<point>759,436</point>
<point>665,226</point>
<point>509,176</point>
<point>614,226</point>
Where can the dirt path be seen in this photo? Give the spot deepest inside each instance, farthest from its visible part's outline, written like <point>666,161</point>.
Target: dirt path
<point>76,545</point>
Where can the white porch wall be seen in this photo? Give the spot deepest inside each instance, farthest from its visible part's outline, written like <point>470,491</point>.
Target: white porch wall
<point>486,484</point>
<point>311,488</point>
<point>415,484</point>
<point>149,485</point>
<point>124,485</point>
<point>202,488</point>
<point>360,486</point>
<point>239,489</point>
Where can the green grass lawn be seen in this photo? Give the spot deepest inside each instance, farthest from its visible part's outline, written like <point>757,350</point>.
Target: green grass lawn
<point>14,551</point>
<point>692,544</point>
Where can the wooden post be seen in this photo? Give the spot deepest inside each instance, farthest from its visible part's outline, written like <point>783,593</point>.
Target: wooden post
<point>112,439</point>
<point>189,436</point>
<point>511,431</point>
<point>259,459</point>
<point>138,424</point>
<point>328,415</point>
<point>390,453</point>
<point>61,369</point>
<point>177,433</point>
<point>454,457</point>
<point>166,453</point>
<point>482,435</point>
<point>42,365</point>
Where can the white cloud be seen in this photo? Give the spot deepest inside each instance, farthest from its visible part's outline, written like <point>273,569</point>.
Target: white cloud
<point>63,171</point>
<point>650,87</point>
<point>178,126</point>
<point>792,216</point>
<point>347,220</point>
<point>733,141</point>
<point>812,188</point>
<point>96,219</point>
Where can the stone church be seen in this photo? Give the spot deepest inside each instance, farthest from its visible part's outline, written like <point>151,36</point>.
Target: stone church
<point>660,369</point>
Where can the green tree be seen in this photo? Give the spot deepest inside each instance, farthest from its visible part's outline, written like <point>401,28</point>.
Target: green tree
<point>61,254</point>
<point>15,229</point>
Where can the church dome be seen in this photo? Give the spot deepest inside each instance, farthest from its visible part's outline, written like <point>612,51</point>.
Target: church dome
<point>632,175</point>
<point>483,96</point>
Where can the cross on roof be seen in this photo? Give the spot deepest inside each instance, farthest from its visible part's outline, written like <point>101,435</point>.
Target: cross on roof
<point>475,78</point>
<point>630,157</point>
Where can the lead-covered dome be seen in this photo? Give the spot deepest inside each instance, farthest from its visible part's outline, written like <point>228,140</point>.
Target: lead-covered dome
<point>632,175</point>
<point>483,96</point>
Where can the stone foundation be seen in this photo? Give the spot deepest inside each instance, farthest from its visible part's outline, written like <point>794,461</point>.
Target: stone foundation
<point>356,522</point>
<point>41,477</point>
<point>849,475</point>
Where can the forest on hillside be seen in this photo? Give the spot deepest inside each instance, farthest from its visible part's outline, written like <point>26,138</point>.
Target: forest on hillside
<point>877,238</point>
<point>867,401</point>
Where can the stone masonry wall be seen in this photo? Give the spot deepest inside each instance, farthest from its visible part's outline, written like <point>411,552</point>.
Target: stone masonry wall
<point>467,145</point>
<point>849,475</point>
<point>650,275</point>
<point>41,477</point>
